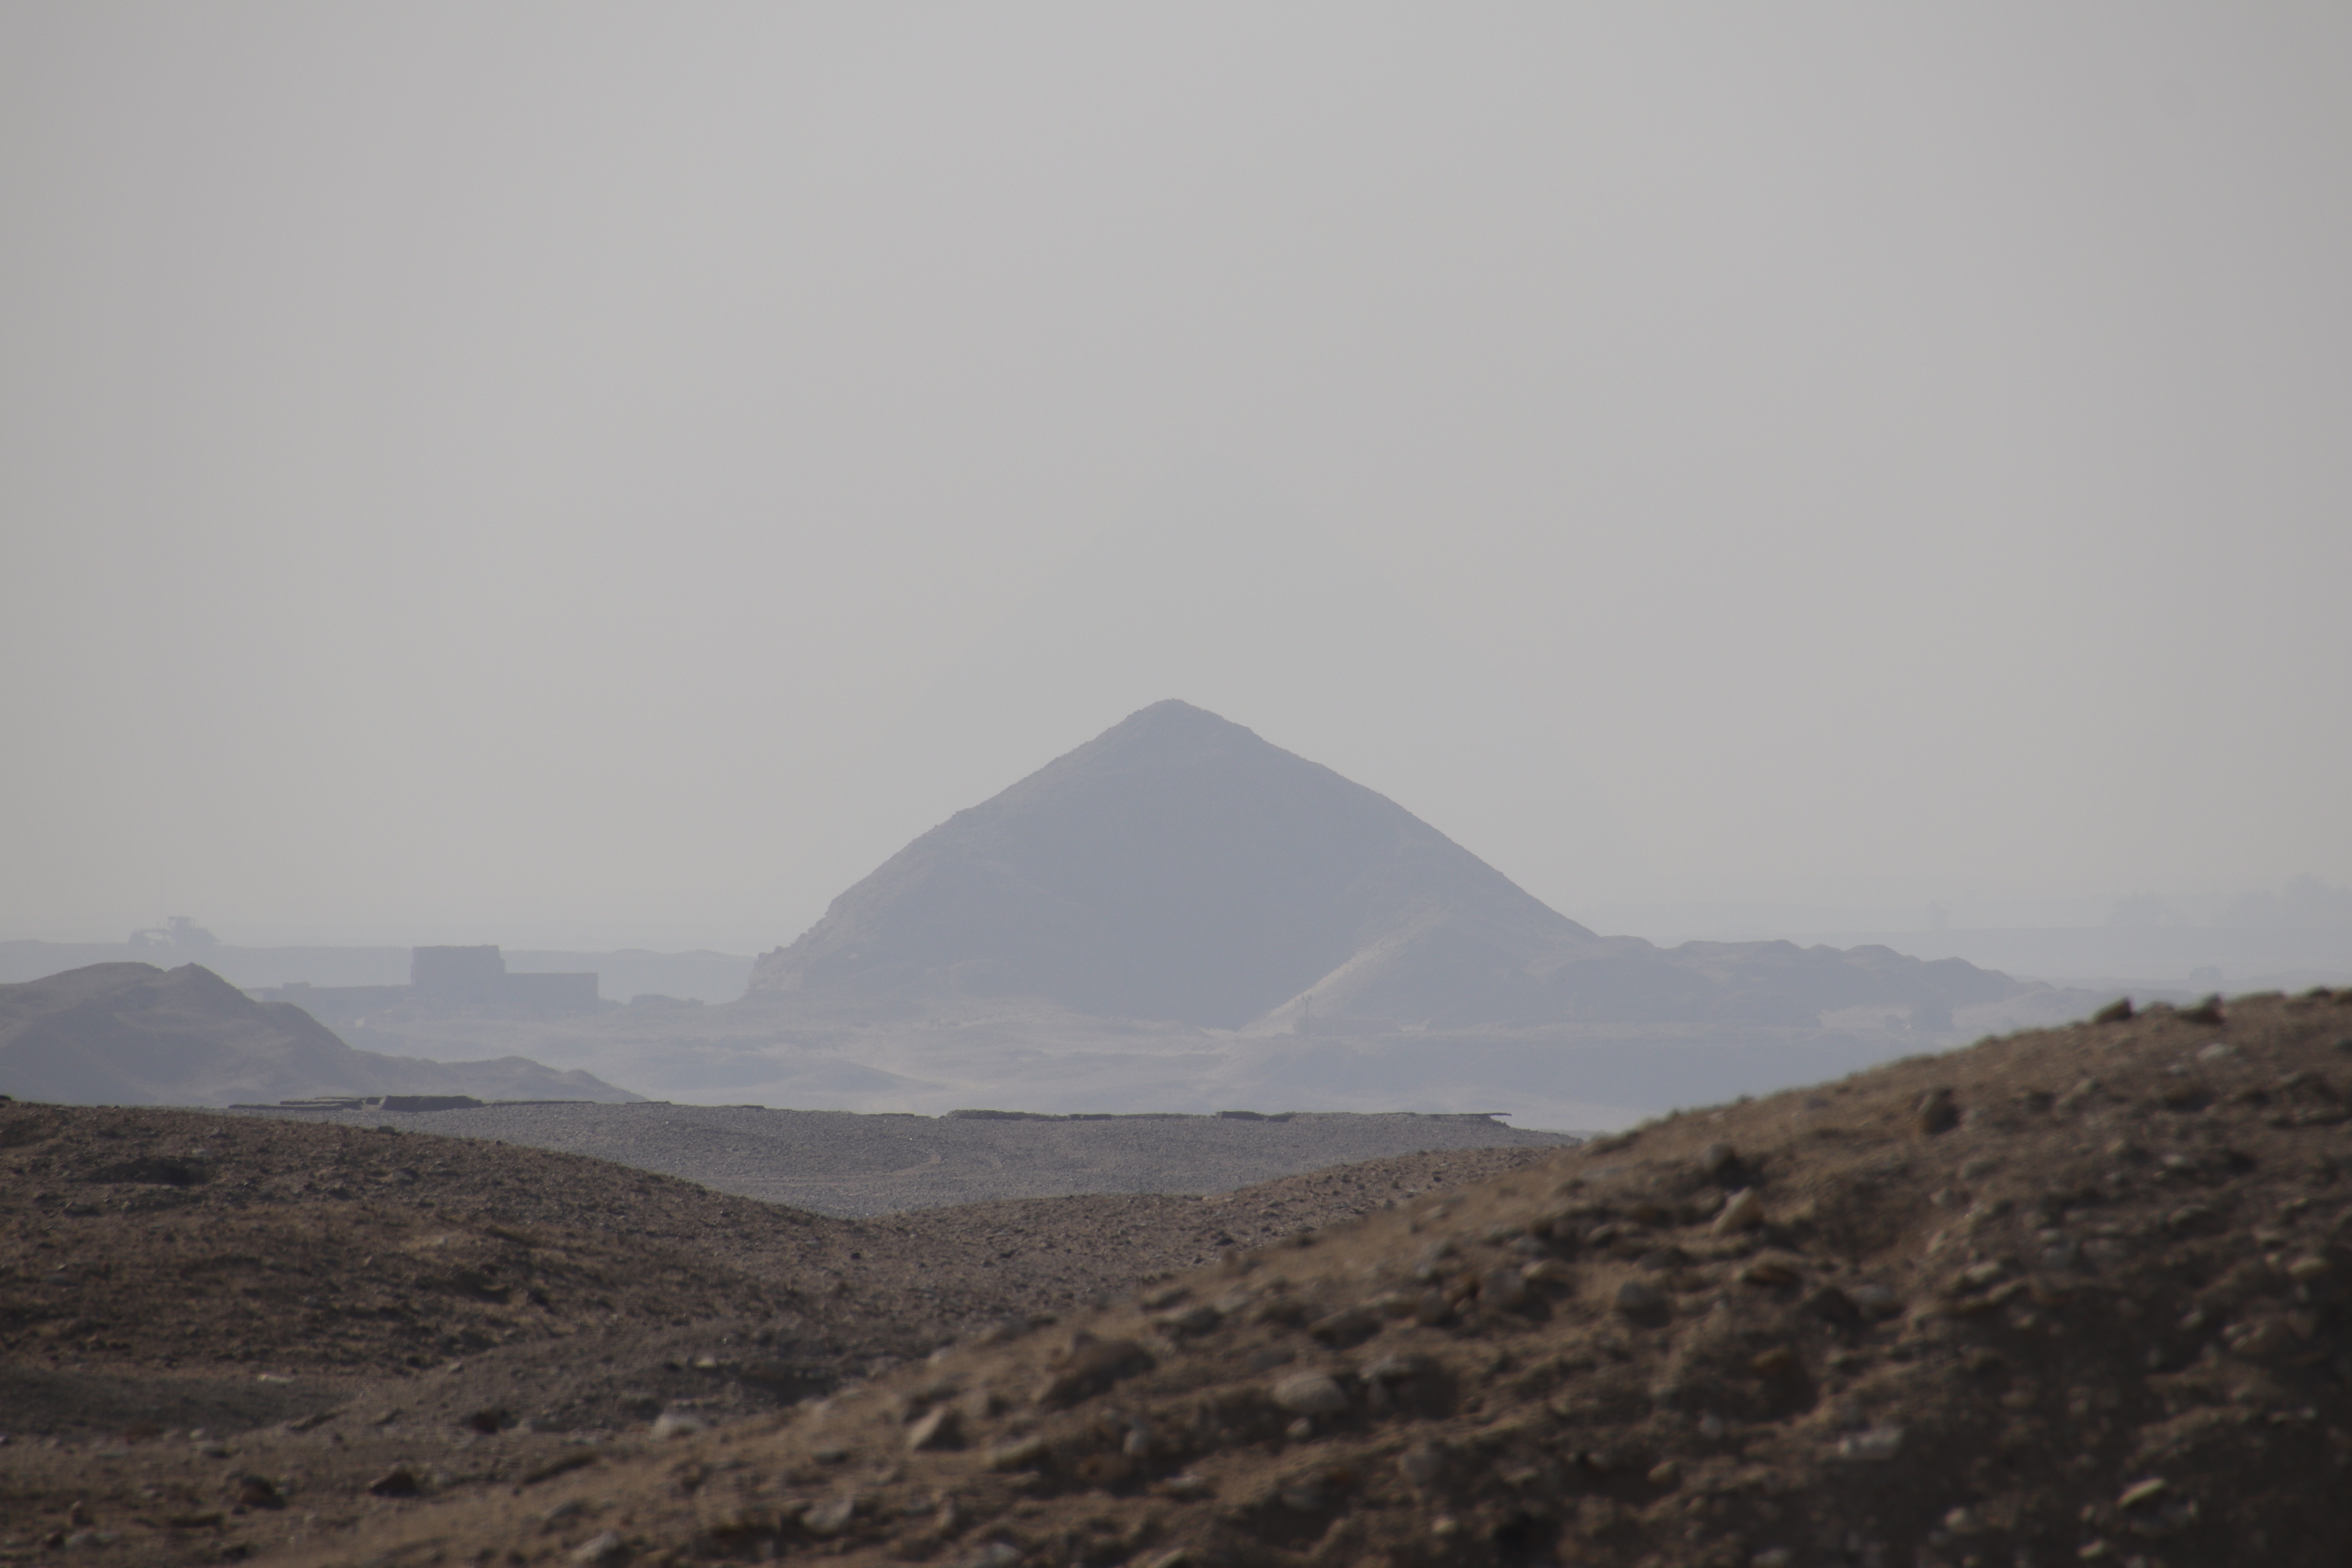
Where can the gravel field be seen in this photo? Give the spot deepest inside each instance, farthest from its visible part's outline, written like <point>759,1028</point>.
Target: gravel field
<point>842,1163</point>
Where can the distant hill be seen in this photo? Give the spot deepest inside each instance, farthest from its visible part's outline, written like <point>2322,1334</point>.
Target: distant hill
<point>132,1034</point>
<point>1179,867</point>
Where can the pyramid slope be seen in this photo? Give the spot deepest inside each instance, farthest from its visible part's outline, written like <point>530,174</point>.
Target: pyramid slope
<point>1176,867</point>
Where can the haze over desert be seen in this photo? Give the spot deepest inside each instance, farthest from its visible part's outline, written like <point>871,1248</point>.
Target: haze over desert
<point>1036,786</point>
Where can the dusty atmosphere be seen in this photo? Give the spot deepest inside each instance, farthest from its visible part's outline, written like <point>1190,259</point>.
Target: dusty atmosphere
<point>2079,1295</point>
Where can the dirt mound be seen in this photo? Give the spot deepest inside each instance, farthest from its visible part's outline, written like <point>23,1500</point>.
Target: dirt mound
<point>2075,1296</point>
<point>132,1034</point>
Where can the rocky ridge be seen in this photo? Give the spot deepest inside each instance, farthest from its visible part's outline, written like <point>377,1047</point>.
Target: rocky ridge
<point>132,1033</point>
<point>2078,1296</point>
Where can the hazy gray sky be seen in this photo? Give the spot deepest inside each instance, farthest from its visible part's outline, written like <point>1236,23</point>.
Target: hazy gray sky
<point>615,473</point>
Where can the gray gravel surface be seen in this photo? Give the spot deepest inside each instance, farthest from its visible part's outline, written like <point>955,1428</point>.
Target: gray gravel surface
<point>839,1162</point>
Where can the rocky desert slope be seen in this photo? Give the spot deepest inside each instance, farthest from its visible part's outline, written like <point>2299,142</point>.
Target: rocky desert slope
<point>192,1299</point>
<point>2079,1296</point>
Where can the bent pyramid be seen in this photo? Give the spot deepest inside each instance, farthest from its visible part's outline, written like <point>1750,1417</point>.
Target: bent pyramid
<point>1179,867</point>
<point>1175,866</point>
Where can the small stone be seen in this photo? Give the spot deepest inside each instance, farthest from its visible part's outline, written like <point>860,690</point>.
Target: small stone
<point>1018,1455</point>
<point>1963,1521</point>
<point>1665,1473</point>
<point>1875,1300</point>
<point>1770,1273</point>
<point>943,1429</point>
<point>1197,1320</point>
<point>1772,1363</point>
<point>1347,1325</point>
<point>2116,1012</point>
<point>1003,1330</point>
<point>602,1547</point>
<point>2140,1492</point>
<point>1772,1557</point>
<point>1743,1211</point>
<point>259,1491</point>
<point>1504,1288</point>
<point>1546,1271</point>
<point>1312,1393</point>
<point>398,1481</point>
<point>1878,1443</point>
<point>676,1424</point>
<point>1399,1369</point>
<point>1717,1157</point>
<point>1421,1465</point>
<point>1635,1296</point>
<point>1937,1113</point>
<point>2307,1269</point>
<point>1089,1366</point>
<point>1305,1495</point>
<point>832,1516</point>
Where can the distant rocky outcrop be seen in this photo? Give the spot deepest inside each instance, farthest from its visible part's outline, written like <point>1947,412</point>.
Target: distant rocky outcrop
<point>132,1034</point>
<point>1179,867</point>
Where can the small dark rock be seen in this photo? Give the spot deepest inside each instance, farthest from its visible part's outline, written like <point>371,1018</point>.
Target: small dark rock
<point>2208,1013</point>
<point>398,1481</point>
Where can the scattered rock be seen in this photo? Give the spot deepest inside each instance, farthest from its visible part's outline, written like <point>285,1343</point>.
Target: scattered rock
<point>1348,1325</point>
<point>259,1491</point>
<point>2207,1013</point>
<point>943,1429</point>
<point>1089,1366</point>
<point>1310,1395</point>
<point>1633,1296</point>
<point>832,1516</point>
<point>602,1548</point>
<point>1877,1444</point>
<point>397,1482</point>
<point>1743,1211</point>
<point>1938,1112</point>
